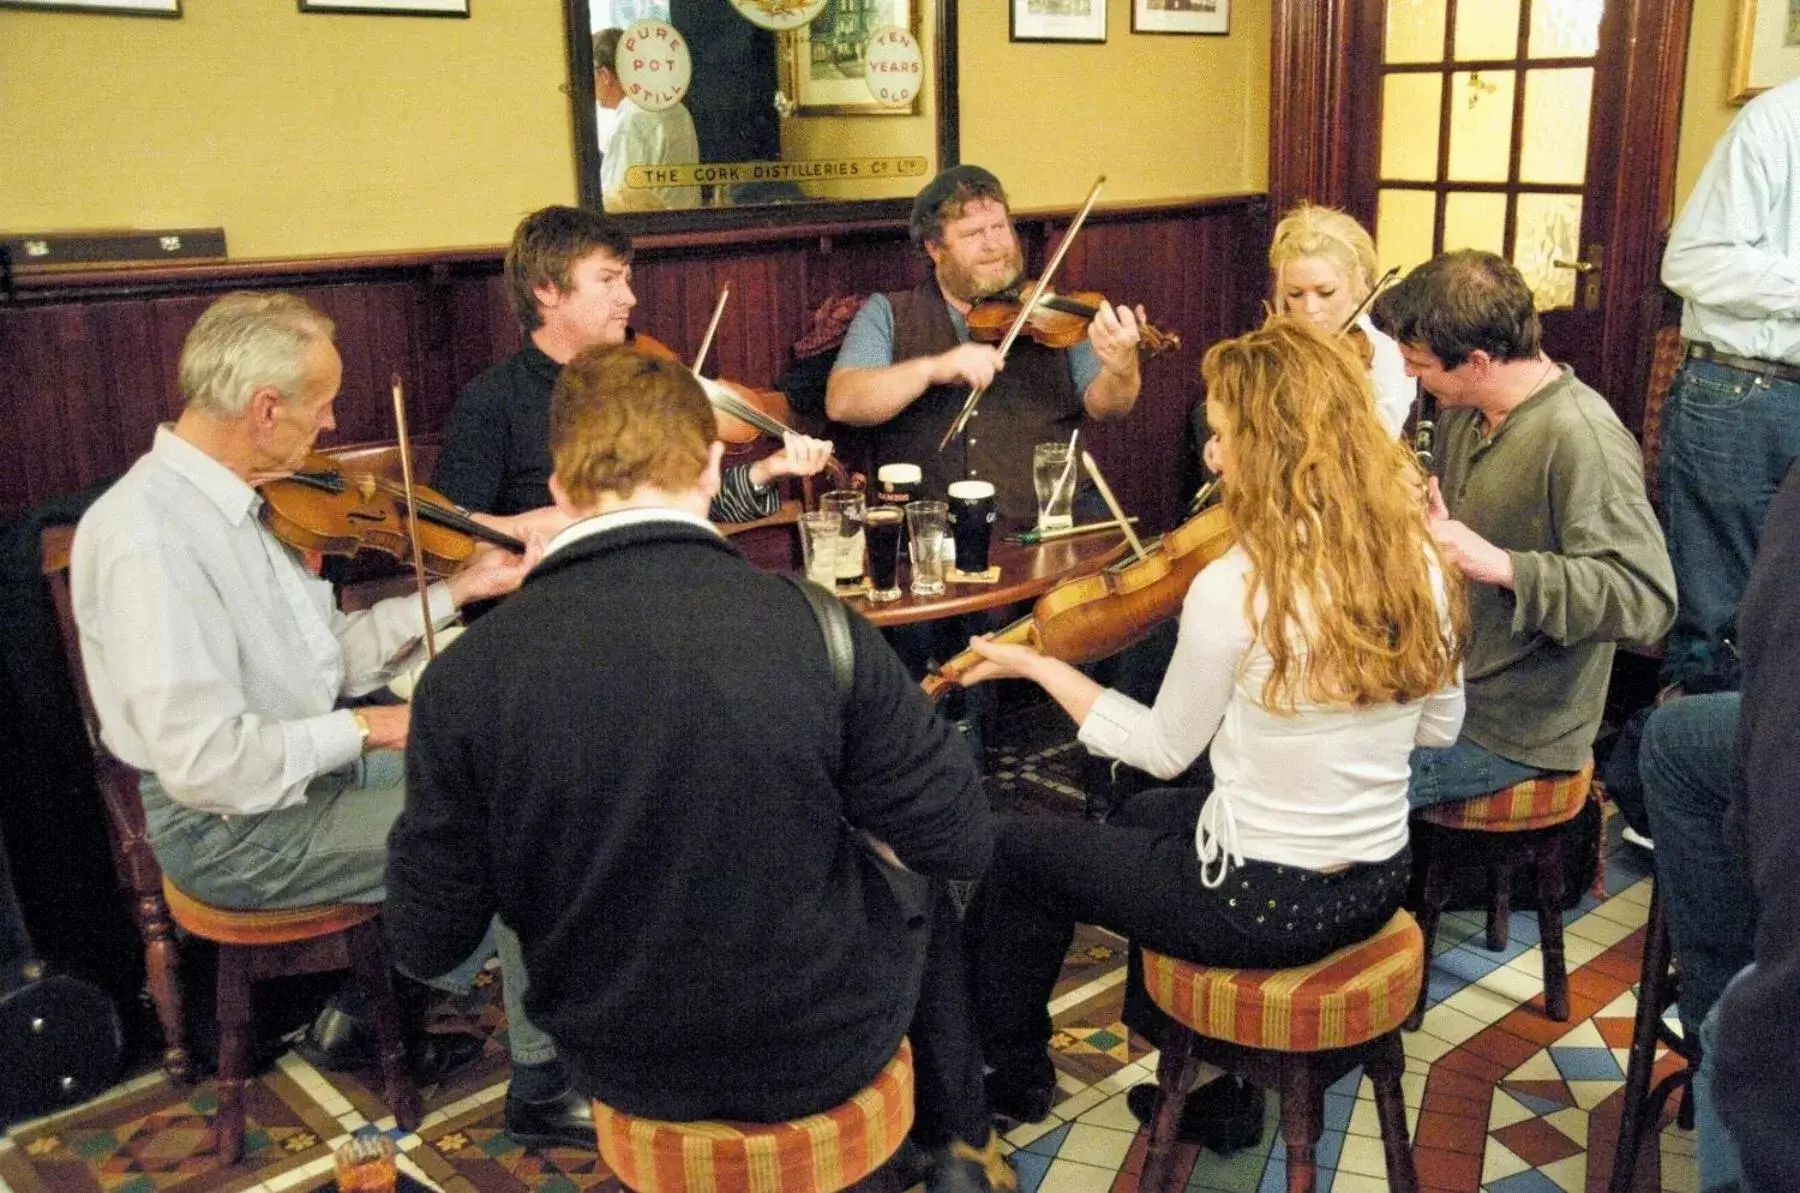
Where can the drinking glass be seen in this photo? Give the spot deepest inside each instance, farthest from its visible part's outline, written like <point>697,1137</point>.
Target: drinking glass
<point>366,1164</point>
<point>927,523</point>
<point>972,523</point>
<point>884,525</point>
<point>1053,475</point>
<point>850,507</point>
<point>821,538</point>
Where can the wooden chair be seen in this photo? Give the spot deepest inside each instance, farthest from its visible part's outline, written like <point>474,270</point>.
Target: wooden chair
<point>1641,1108</point>
<point>253,945</point>
<point>1527,822</point>
<point>1296,1031</point>
<point>817,1154</point>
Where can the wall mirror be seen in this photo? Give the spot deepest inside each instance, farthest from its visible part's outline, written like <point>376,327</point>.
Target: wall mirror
<point>784,122</point>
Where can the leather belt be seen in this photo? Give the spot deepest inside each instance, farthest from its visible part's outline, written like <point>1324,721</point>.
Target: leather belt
<point>1699,350</point>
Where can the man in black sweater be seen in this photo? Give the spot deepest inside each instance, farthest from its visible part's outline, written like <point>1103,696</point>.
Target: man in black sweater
<point>641,763</point>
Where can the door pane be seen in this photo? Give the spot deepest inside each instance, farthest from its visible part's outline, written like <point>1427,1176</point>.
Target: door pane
<point>1415,30</point>
<point>1565,28</point>
<point>1481,115</point>
<point>1475,220</point>
<point>1489,29</point>
<point>1556,125</point>
<point>1549,230</point>
<point>1409,126</point>
<point>1403,226</point>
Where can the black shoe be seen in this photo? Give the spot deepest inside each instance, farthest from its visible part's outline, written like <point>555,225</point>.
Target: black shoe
<point>1225,1115</point>
<point>567,1121</point>
<point>338,1042</point>
<point>964,1168</point>
<point>1022,1097</point>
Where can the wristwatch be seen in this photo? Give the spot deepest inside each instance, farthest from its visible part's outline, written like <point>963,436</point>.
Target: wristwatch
<point>362,728</point>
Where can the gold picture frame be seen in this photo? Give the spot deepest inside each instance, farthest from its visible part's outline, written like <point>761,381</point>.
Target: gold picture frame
<point>821,61</point>
<point>1767,50</point>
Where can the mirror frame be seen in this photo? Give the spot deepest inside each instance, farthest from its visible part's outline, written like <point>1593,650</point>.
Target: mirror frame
<point>580,88</point>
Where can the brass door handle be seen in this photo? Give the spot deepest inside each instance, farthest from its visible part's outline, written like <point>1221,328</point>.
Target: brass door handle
<point>1581,267</point>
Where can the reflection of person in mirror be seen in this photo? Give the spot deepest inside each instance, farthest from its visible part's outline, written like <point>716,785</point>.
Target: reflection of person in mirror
<point>639,137</point>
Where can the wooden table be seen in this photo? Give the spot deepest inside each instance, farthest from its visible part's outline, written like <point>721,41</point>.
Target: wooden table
<point>1026,573</point>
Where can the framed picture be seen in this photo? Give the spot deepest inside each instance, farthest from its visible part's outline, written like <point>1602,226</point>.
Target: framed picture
<point>822,68</point>
<point>1058,20</point>
<point>129,8</point>
<point>1181,16</point>
<point>1768,47</point>
<point>392,8</point>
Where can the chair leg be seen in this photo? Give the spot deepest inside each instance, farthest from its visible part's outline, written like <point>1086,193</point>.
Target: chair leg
<point>1175,1071</point>
<point>162,974</point>
<point>1549,893</point>
<point>1385,1067</point>
<point>1643,1049</point>
<point>234,1049</point>
<point>369,960</point>
<point>1302,1120</point>
<point>1434,891</point>
<point>1499,917</point>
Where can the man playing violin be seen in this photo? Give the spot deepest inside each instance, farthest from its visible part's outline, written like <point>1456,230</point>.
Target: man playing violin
<point>666,803</point>
<point>220,668</point>
<point>907,363</point>
<point>568,273</point>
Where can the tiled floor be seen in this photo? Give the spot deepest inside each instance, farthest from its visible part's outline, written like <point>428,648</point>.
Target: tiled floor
<point>1498,1097</point>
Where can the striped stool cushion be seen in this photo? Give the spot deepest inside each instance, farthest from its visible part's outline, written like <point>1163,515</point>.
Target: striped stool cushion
<point>1357,994</point>
<point>817,1154</point>
<point>1535,803</point>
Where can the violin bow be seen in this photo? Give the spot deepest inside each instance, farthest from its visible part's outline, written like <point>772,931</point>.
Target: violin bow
<point>1381,283</point>
<point>412,516</point>
<point>1025,310</point>
<point>1112,503</point>
<point>707,339</point>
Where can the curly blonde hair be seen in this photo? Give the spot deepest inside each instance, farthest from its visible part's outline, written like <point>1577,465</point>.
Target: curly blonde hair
<point>1326,233</point>
<point>1329,508</point>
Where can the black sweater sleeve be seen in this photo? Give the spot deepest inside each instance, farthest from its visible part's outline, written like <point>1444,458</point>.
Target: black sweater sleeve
<point>907,776</point>
<point>471,466</point>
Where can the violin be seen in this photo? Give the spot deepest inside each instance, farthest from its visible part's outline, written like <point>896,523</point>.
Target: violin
<point>1097,615</point>
<point>1057,321</point>
<point>322,508</point>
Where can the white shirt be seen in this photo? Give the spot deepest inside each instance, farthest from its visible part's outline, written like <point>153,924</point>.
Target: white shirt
<point>644,138</point>
<point>215,658</point>
<point>1395,392</point>
<point>1734,254</point>
<point>617,520</point>
<point>1316,789</point>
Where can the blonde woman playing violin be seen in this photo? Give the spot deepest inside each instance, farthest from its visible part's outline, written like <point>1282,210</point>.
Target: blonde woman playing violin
<point>1312,658</point>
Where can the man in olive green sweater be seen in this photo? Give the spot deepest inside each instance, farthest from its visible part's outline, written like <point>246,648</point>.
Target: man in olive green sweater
<point>1538,499</point>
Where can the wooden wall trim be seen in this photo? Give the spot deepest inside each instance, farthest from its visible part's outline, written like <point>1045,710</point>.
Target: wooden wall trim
<point>1309,95</point>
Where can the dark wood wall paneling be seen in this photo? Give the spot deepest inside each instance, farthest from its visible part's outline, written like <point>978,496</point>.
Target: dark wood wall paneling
<point>88,361</point>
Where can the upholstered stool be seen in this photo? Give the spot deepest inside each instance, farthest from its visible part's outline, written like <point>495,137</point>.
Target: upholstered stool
<point>256,945</point>
<point>1296,1031</point>
<point>1641,1108</point>
<point>817,1154</point>
<point>1525,822</point>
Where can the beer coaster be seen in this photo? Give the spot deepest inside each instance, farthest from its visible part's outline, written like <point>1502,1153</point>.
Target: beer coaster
<point>845,592</point>
<point>958,576</point>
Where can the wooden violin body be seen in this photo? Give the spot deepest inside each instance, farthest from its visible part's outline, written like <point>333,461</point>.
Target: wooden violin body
<point>1058,321</point>
<point>322,508</point>
<point>1097,615</point>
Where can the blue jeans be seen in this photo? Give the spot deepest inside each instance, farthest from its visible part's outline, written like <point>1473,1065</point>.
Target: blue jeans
<point>1464,770</point>
<point>1728,438</point>
<point>1721,1170</point>
<point>1688,762</point>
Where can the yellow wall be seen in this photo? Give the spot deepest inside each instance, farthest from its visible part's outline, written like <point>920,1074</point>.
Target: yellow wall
<point>1704,112</point>
<point>307,134</point>
<point>299,133</point>
<point>1163,116</point>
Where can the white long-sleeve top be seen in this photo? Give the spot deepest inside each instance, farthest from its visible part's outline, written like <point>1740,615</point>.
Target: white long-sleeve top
<point>1395,392</point>
<point>215,659</point>
<point>1734,254</point>
<point>1315,789</point>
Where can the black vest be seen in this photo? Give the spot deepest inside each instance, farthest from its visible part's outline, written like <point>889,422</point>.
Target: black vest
<point>1033,401</point>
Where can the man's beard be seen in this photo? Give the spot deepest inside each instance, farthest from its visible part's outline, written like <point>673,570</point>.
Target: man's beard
<point>971,287</point>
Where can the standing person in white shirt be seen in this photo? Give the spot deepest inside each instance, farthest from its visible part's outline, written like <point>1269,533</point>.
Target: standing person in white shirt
<point>1732,423</point>
<point>639,137</point>
<point>219,666</point>
<point>1313,657</point>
